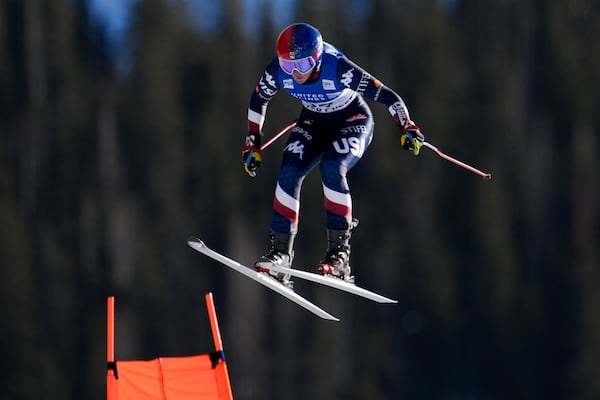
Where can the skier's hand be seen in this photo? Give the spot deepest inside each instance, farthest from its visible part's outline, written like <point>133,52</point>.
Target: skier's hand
<point>411,138</point>
<point>251,155</point>
<point>252,159</point>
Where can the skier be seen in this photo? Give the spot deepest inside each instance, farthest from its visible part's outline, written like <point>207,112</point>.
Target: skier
<point>334,129</point>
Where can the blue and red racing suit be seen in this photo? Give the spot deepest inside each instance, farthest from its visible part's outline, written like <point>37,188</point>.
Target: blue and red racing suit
<point>334,129</point>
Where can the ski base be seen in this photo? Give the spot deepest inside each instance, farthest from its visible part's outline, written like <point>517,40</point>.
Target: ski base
<point>261,278</point>
<point>334,282</point>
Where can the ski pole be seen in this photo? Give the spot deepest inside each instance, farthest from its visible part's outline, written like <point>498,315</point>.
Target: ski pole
<point>264,146</point>
<point>278,135</point>
<point>485,175</point>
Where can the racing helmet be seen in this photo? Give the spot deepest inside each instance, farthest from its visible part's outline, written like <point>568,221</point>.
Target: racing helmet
<point>299,47</point>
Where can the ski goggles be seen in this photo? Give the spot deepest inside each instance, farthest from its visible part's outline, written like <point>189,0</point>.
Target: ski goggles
<point>302,65</point>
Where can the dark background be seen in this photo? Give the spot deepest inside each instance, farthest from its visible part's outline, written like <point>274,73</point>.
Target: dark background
<point>111,155</point>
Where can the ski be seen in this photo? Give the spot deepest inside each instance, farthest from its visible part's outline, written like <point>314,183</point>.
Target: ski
<point>334,282</point>
<point>261,278</point>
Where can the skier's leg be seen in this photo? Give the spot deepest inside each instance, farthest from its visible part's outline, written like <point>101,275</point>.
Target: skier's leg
<point>338,216</point>
<point>348,146</point>
<point>300,156</point>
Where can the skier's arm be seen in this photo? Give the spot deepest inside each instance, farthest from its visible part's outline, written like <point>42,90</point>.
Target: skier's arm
<point>359,80</point>
<point>265,89</point>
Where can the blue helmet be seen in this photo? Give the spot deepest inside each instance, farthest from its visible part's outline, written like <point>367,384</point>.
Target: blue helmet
<point>299,46</point>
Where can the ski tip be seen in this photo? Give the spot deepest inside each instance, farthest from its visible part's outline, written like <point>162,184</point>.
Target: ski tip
<point>192,240</point>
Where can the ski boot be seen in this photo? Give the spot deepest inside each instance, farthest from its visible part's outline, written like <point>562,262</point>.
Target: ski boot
<point>337,259</point>
<point>280,254</point>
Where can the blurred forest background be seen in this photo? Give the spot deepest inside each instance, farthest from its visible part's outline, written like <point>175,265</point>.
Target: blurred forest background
<point>113,152</point>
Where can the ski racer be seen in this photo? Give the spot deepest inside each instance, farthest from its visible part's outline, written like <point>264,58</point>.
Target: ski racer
<point>333,131</point>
